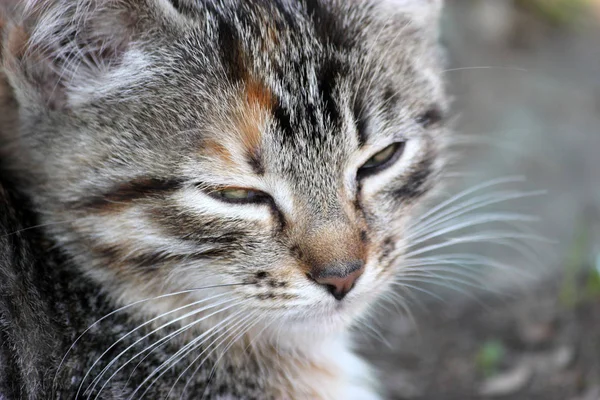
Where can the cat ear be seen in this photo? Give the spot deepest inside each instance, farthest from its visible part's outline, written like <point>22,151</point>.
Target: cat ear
<point>61,53</point>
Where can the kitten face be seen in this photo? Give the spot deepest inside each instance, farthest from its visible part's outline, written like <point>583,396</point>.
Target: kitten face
<point>282,146</point>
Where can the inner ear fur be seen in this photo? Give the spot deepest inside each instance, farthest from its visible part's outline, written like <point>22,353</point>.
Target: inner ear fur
<point>56,52</point>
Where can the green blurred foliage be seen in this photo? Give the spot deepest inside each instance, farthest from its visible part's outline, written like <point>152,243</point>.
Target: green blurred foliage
<point>592,284</point>
<point>558,12</point>
<point>580,281</point>
<point>490,357</point>
<point>574,264</point>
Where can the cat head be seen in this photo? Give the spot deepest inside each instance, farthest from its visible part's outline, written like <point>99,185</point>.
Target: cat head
<point>280,147</point>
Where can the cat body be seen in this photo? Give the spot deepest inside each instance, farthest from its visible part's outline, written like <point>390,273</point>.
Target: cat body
<point>221,189</point>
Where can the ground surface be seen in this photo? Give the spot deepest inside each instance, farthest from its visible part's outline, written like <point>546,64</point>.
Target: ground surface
<point>529,348</point>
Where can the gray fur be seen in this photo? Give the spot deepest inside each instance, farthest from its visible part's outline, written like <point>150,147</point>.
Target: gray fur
<point>124,108</point>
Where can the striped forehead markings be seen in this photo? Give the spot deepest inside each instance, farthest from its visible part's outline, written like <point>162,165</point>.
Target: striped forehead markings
<point>251,121</point>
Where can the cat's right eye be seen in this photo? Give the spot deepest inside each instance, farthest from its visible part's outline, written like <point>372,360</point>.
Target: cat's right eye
<point>239,195</point>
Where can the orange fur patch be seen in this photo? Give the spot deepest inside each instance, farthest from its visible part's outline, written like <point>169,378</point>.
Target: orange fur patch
<point>243,130</point>
<point>252,115</point>
<point>218,150</point>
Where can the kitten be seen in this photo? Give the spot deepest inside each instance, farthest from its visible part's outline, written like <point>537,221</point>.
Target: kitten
<point>222,188</point>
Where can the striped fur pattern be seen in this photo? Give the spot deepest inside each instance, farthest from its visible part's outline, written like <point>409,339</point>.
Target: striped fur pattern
<point>134,114</point>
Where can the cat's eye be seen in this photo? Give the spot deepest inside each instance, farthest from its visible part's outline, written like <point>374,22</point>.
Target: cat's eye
<point>239,195</point>
<point>382,160</point>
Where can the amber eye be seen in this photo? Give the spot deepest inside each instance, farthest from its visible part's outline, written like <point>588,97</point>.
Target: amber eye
<point>239,195</point>
<point>381,160</point>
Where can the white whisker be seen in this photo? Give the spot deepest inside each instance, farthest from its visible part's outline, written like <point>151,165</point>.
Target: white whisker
<point>231,343</point>
<point>375,334</point>
<point>141,326</point>
<point>487,67</point>
<point>468,206</point>
<point>118,310</point>
<point>181,353</point>
<point>187,315</point>
<point>224,334</point>
<point>406,285</point>
<point>162,341</point>
<point>468,223</point>
<point>466,192</point>
<point>499,237</point>
<point>446,285</point>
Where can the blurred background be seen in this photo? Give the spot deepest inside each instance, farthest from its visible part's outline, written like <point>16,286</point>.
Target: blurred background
<point>525,76</point>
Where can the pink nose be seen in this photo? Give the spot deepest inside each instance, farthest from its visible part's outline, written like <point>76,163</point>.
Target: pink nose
<point>338,278</point>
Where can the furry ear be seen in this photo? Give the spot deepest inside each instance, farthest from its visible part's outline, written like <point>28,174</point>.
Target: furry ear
<point>61,53</point>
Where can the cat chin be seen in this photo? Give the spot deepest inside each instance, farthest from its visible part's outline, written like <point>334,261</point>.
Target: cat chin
<point>316,323</point>
<point>305,334</point>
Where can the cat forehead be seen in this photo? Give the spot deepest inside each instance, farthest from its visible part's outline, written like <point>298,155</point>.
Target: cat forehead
<point>302,68</point>
<point>306,82</point>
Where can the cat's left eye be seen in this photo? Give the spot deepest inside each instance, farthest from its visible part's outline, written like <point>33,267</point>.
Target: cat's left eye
<point>381,160</point>
<point>239,195</point>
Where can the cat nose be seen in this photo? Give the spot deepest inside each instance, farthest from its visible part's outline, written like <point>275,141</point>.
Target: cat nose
<point>338,278</point>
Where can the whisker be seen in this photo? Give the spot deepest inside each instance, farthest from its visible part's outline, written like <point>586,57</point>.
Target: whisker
<point>474,220</point>
<point>432,273</point>
<point>376,335</point>
<point>236,327</point>
<point>169,362</point>
<point>212,371</point>
<point>240,321</point>
<point>489,236</point>
<point>456,268</point>
<point>475,259</point>
<point>487,67</point>
<point>524,249</point>
<point>120,339</point>
<point>441,267</point>
<point>115,359</point>
<point>403,304</point>
<point>129,306</point>
<point>439,283</point>
<point>192,346</point>
<point>466,192</point>
<point>406,285</point>
<point>242,331</point>
<point>37,226</point>
<point>471,205</point>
